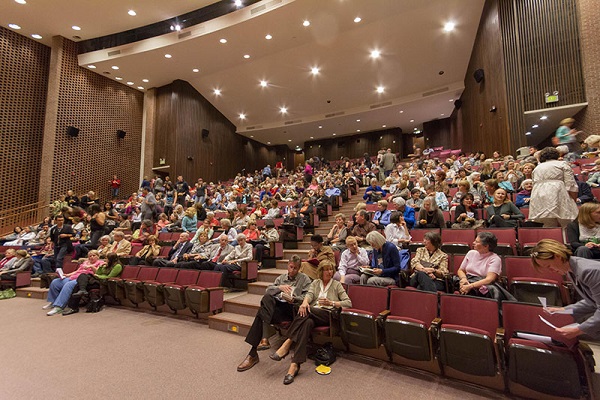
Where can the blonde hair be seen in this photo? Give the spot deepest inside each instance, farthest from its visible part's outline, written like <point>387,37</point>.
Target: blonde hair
<point>585,214</point>
<point>546,249</point>
<point>360,206</point>
<point>323,265</point>
<point>465,183</point>
<point>375,239</point>
<point>382,203</point>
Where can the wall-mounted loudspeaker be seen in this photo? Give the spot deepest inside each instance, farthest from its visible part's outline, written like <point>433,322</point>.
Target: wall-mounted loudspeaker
<point>72,131</point>
<point>458,103</point>
<point>205,133</point>
<point>121,134</point>
<point>478,75</point>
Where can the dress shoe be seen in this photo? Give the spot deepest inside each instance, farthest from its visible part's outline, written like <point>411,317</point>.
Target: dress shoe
<point>289,378</point>
<point>264,345</point>
<point>248,363</point>
<point>277,357</point>
<point>70,311</point>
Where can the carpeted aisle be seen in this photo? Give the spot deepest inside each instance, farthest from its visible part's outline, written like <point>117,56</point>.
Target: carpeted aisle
<point>121,353</point>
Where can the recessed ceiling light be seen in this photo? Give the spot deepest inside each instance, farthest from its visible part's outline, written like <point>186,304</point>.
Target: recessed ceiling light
<point>251,136</point>
<point>375,53</point>
<point>383,126</point>
<point>76,28</point>
<point>118,78</point>
<point>145,80</point>
<point>528,133</point>
<point>282,110</point>
<point>36,36</point>
<point>333,134</point>
<point>176,27</point>
<point>242,116</point>
<point>114,67</point>
<point>168,56</point>
<point>91,66</point>
<point>442,114</point>
<point>264,83</point>
<point>380,89</point>
<point>415,128</point>
<point>14,26</point>
<point>21,1</point>
<point>268,142</point>
<point>289,140</point>
<point>141,87</point>
<point>357,19</point>
<point>320,126</point>
<point>449,26</point>
<point>543,117</point>
<point>238,3</point>
<point>195,70</point>
<point>358,120</point>
<point>314,70</point>
<point>380,137</point>
<point>401,112</point>
<point>132,13</point>
<point>217,92</point>
<point>451,100</point>
<point>358,130</point>
<point>246,56</point>
<point>130,83</point>
<point>535,126</point>
<point>223,40</point>
<point>268,37</point>
<point>306,23</point>
<point>412,120</point>
<point>312,137</point>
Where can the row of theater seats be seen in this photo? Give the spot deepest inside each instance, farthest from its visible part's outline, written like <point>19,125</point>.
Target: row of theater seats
<point>199,291</point>
<point>469,338</point>
<point>510,241</point>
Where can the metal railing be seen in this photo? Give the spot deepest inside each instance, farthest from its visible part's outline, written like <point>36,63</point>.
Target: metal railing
<point>21,216</point>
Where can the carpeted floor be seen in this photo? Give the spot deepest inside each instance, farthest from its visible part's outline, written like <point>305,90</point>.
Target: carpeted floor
<point>121,353</point>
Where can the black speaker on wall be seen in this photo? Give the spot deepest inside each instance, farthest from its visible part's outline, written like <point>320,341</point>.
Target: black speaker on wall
<point>458,103</point>
<point>205,133</point>
<point>478,75</point>
<point>72,131</point>
<point>121,134</point>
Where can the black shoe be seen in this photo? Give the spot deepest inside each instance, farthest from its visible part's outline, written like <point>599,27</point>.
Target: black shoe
<point>289,378</point>
<point>70,311</point>
<point>277,357</point>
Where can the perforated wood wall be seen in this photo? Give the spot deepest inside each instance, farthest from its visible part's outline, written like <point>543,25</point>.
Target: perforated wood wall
<point>23,83</point>
<point>98,106</point>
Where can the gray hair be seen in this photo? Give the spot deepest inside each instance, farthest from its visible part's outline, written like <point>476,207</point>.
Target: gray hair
<point>225,221</point>
<point>431,201</point>
<point>106,237</point>
<point>295,260</point>
<point>375,239</point>
<point>488,239</point>
<point>240,236</point>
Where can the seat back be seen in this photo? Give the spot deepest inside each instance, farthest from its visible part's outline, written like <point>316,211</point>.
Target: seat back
<point>166,275</point>
<point>521,267</point>
<point>147,274</point>
<point>359,323</point>
<point>187,277</point>
<point>467,311</point>
<point>130,272</point>
<point>373,299</point>
<point>209,279</point>
<point>506,237</point>
<point>164,236</point>
<point>417,235</point>
<point>460,236</point>
<point>164,251</point>
<point>457,260</point>
<point>528,284</point>
<point>529,236</point>
<point>414,304</point>
<point>135,247</point>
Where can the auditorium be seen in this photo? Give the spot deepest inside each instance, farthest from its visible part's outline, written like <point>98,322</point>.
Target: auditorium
<point>266,198</point>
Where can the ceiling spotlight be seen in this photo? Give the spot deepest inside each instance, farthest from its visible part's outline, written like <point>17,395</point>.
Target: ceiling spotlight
<point>375,54</point>
<point>312,137</point>
<point>242,116</point>
<point>357,19</point>
<point>289,140</point>
<point>320,126</point>
<point>268,142</point>
<point>380,89</point>
<point>195,70</point>
<point>333,134</point>
<point>543,117</point>
<point>168,56</point>
<point>130,83</point>
<point>118,78</point>
<point>415,128</point>
<point>528,133</point>
<point>283,110</point>
<point>264,83</point>
<point>442,114</point>
<point>251,136</point>
<point>76,28</point>
<point>145,80</point>
<point>217,92</point>
<point>36,36</point>
<point>412,120</point>
<point>383,126</point>
<point>451,100</point>
<point>223,40</point>
<point>238,3</point>
<point>176,27</point>
<point>306,23</point>
<point>358,130</point>
<point>358,120</point>
<point>132,13</point>
<point>246,56</point>
<point>141,87</point>
<point>449,26</point>
<point>401,111</point>
<point>314,70</point>
<point>114,67</point>
<point>92,66</point>
<point>14,26</point>
<point>535,126</point>
<point>268,37</point>
<point>21,1</point>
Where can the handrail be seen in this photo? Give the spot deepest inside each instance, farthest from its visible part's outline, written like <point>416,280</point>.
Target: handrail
<point>19,208</point>
<point>22,216</point>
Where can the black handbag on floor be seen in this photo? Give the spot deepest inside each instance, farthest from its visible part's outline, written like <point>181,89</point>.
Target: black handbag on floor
<point>325,355</point>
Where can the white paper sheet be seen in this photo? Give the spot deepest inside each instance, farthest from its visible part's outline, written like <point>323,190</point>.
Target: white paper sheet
<point>544,303</point>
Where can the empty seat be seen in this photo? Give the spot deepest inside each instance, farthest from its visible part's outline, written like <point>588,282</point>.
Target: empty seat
<point>528,237</point>
<point>153,289</point>
<point>457,241</point>
<point>174,293</point>
<point>115,286</point>
<point>467,339</point>
<point>527,284</point>
<point>206,295</point>
<point>536,369</point>
<point>134,291</point>
<point>360,324</point>
<point>407,328</point>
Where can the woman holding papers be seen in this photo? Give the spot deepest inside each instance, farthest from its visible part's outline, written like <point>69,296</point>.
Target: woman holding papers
<point>585,275</point>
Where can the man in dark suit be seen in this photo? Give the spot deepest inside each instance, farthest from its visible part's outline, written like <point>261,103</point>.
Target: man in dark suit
<point>183,246</point>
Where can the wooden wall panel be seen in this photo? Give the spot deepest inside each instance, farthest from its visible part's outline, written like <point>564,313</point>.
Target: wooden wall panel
<point>24,67</point>
<point>181,114</point>
<point>438,131</point>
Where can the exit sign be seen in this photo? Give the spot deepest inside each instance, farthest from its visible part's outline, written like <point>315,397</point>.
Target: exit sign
<point>552,98</point>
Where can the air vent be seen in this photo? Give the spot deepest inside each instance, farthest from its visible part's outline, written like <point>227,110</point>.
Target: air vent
<point>184,35</point>
<point>437,91</point>
<point>387,103</point>
<point>292,122</point>
<point>114,53</point>
<point>336,114</point>
<point>249,128</point>
<point>258,9</point>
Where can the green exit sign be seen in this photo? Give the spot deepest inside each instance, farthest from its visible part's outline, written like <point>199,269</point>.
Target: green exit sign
<point>551,98</point>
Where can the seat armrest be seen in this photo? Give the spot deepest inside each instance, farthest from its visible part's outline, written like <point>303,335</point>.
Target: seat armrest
<point>384,313</point>
<point>435,327</point>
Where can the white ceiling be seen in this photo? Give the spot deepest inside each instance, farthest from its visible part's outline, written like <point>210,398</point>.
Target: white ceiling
<point>408,33</point>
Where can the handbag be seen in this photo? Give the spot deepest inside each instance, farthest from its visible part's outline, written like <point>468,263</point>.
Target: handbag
<point>325,355</point>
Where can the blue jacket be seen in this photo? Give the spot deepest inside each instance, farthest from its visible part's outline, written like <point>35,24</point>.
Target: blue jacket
<point>189,224</point>
<point>382,217</point>
<point>391,261</point>
<point>367,195</point>
<point>409,216</point>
